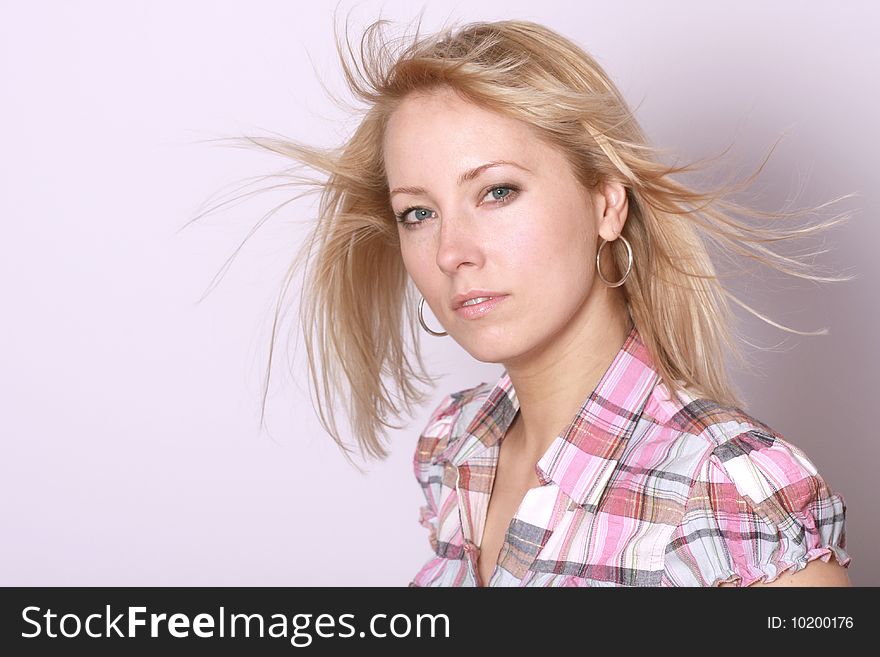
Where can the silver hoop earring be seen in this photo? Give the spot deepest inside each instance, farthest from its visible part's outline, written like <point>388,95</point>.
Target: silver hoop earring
<point>422,321</point>
<point>629,255</point>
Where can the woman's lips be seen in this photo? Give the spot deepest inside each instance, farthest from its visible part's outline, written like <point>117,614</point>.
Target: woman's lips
<point>479,309</point>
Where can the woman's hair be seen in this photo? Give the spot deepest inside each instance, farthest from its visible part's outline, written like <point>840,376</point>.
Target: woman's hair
<point>357,304</point>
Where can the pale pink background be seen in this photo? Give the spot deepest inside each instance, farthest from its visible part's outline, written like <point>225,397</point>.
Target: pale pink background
<point>129,414</point>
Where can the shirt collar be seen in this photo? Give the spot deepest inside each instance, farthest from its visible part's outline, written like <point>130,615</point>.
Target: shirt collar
<point>583,456</point>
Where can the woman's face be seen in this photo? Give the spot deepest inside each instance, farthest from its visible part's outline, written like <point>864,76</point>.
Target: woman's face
<point>528,232</point>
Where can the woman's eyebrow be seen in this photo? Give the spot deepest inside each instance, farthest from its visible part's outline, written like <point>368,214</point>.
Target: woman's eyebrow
<point>463,178</point>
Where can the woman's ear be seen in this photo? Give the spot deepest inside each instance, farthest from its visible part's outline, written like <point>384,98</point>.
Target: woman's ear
<point>612,205</point>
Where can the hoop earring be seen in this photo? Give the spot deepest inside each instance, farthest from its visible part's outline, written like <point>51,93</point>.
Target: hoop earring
<point>629,255</point>
<point>422,321</point>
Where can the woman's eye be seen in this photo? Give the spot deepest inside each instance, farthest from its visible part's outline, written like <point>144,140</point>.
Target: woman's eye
<point>420,214</point>
<point>501,188</point>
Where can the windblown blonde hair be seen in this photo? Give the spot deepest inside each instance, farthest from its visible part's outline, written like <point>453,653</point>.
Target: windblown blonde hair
<point>357,304</point>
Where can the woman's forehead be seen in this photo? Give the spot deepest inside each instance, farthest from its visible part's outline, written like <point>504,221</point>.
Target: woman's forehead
<point>465,135</point>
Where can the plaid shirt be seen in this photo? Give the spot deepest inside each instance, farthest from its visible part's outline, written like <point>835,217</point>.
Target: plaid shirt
<point>639,490</point>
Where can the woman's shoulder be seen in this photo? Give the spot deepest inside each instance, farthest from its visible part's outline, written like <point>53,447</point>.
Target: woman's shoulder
<point>688,411</point>
<point>757,505</point>
<point>741,450</point>
<point>447,420</point>
<point>745,460</point>
<point>771,475</point>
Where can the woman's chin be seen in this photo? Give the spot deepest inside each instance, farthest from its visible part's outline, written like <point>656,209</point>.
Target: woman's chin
<point>487,350</point>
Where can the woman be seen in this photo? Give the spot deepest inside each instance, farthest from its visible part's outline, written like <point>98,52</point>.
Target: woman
<point>499,170</point>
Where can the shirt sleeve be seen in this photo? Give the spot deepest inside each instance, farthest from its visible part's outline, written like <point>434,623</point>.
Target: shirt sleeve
<point>434,439</point>
<point>757,508</point>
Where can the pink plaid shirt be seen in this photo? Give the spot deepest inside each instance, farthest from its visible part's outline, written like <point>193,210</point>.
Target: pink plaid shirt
<point>639,490</point>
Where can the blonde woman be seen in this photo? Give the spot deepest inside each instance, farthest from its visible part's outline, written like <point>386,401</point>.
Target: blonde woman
<point>498,178</point>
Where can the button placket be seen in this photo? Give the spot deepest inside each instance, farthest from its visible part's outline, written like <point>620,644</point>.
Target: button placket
<point>471,550</point>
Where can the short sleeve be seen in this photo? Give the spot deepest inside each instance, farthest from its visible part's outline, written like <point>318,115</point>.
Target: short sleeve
<point>757,508</point>
<point>434,438</point>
